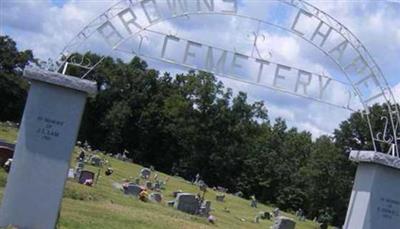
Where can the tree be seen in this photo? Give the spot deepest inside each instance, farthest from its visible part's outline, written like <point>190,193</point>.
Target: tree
<point>190,123</point>
<point>13,89</point>
<point>328,175</point>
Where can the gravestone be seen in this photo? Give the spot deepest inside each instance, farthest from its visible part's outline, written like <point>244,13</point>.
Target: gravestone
<point>163,184</point>
<point>85,175</point>
<point>205,208</point>
<point>118,156</point>
<point>202,186</point>
<point>156,197</point>
<point>4,143</point>
<point>375,198</point>
<point>80,165</point>
<point>222,189</point>
<point>71,173</point>
<point>239,194</point>
<point>149,185</point>
<point>323,225</point>
<point>284,223</point>
<point>262,215</point>
<point>171,203</point>
<point>7,165</point>
<point>95,160</point>
<point>5,154</point>
<point>109,171</point>
<point>157,185</point>
<point>276,212</point>
<point>187,202</point>
<point>132,189</point>
<point>78,169</point>
<point>267,215</point>
<point>46,139</point>
<point>220,197</point>
<point>145,173</point>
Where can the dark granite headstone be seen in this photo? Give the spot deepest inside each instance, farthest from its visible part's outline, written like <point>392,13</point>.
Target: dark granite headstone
<point>96,161</point>
<point>133,189</point>
<point>145,173</point>
<point>149,185</point>
<point>220,197</point>
<point>86,175</point>
<point>284,223</point>
<point>187,202</point>
<point>155,196</point>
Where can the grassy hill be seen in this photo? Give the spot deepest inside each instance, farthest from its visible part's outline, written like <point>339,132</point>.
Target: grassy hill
<point>104,206</point>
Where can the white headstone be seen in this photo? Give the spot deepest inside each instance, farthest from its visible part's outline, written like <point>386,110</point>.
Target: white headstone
<point>46,139</point>
<point>71,173</point>
<point>375,198</point>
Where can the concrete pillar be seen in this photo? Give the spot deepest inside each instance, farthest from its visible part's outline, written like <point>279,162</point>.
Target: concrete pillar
<point>375,198</point>
<point>46,139</point>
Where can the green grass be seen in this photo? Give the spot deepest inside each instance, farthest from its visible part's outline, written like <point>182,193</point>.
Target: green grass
<point>104,206</point>
<point>8,133</point>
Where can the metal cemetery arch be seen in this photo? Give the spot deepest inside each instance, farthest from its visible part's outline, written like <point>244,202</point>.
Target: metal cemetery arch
<point>120,26</point>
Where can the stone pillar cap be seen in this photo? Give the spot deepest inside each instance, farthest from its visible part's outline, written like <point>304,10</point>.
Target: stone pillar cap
<point>375,157</point>
<point>55,78</point>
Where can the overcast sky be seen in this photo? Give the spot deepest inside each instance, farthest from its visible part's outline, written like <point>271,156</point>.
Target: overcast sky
<point>46,26</point>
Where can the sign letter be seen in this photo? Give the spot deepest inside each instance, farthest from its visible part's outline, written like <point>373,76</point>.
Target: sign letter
<point>358,64</point>
<point>164,48</point>
<point>208,3</point>
<point>296,20</point>
<point>126,22</point>
<point>173,6</point>
<point>277,73</point>
<point>340,50</point>
<point>303,83</point>
<point>112,37</point>
<point>156,13</point>
<point>234,7</point>
<point>322,85</point>
<point>364,81</point>
<point>187,52</point>
<point>323,35</point>
<point>260,70</point>
<point>235,57</point>
<point>220,67</point>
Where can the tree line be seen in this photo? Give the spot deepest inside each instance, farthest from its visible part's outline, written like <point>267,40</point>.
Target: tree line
<point>191,123</point>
